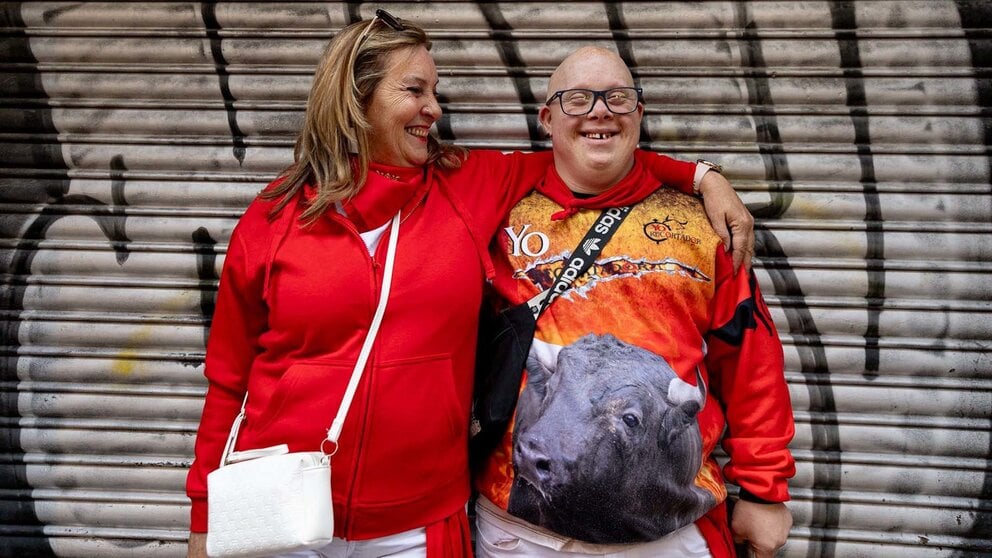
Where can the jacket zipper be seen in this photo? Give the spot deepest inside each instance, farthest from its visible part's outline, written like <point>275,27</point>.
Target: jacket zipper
<point>375,287</point>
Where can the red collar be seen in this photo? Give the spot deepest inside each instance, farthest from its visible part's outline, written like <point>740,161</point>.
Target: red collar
<point>381,196</point>
<point>637,185</point>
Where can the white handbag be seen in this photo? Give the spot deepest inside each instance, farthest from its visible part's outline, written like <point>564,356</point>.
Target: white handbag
<point>268,501</point>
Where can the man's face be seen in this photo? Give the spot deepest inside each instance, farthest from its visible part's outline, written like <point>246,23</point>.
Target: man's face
<point>596,150</point>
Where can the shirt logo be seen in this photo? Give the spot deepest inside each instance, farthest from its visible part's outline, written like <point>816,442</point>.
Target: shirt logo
<point>531,244</point>
<point>669,229</point>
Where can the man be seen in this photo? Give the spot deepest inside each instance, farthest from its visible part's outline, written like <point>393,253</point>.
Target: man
<point>640,367</point>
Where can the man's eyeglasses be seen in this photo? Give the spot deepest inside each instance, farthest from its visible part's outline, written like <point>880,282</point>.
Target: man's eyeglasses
<point>383,16</point>
<point>579,102</point>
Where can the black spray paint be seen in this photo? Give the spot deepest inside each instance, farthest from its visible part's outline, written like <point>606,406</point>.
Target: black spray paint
<point>812,356</point>
<point>844,25</point>
<point>208,10</point>
<point>501,33</point>
<point>28,539</point>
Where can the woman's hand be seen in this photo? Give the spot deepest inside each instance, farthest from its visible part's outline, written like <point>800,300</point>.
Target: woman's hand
<point>197,546</point>
<point>729,217</point>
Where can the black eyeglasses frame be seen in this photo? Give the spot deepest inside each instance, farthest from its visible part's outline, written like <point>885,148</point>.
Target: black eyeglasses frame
<point>596,95</point>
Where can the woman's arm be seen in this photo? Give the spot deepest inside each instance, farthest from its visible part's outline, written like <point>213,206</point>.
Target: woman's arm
<point>492,182</point>
<point>728,216</point>
<point>239,318</point>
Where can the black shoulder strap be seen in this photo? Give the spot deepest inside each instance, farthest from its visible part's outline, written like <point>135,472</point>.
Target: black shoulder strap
<point>582,257</point>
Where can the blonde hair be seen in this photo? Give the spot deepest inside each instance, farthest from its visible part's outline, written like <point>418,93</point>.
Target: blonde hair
<point>352,66</point>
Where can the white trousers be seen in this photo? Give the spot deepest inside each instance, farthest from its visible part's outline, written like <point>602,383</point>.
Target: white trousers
<point>408,544</point>
<point>499,537</point>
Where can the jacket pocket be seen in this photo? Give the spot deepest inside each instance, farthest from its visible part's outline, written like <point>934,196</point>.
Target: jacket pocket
<point>418,431</point>
<point>301,406</point>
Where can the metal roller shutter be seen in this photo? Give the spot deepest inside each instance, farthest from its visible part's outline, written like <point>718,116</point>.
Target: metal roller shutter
<point>132,135</point>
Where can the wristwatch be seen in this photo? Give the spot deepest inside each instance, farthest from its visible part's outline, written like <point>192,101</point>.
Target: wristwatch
<point>702,167</point>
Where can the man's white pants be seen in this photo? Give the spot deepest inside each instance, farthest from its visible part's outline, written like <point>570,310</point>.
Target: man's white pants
<point>501,536</point>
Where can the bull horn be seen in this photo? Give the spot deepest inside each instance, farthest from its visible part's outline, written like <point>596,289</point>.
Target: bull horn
<point>546,354</point>
<point>680,391</point>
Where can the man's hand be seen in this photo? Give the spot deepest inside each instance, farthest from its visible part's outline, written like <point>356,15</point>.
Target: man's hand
<point>729,217</point>
<point>765,527</point>
<point>197,547</point>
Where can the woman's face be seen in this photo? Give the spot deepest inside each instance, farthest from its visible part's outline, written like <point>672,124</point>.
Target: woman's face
<point>403,108</point>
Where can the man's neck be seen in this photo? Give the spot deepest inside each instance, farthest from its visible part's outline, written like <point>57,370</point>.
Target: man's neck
<point>586,191</point>
<point>592,183</point>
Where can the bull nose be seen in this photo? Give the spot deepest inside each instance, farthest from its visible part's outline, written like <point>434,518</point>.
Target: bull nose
<point>532,462</point>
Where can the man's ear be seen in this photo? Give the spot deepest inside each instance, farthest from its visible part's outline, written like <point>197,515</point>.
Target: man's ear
<point>544,118</point>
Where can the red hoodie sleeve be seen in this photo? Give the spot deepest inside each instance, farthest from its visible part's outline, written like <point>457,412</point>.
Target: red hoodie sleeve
<point>746,369</point>
<point>490,183</point>
<point>671,172</point>
<point>239,318</point>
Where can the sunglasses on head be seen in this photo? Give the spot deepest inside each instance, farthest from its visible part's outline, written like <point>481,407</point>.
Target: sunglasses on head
<point>383,16</point>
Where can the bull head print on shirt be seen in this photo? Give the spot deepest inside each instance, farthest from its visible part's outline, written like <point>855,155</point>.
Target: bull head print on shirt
<point>606,444</point>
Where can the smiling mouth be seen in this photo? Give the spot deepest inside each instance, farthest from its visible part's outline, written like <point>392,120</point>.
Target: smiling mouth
<point>599,135</point>
<point>418,132</point>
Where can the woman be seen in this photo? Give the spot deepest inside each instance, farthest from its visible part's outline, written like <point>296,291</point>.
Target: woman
<point>300,285</point>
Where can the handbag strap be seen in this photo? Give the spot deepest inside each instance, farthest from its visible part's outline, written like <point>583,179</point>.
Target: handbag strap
<point>334,432</point>
<point>349,393</point>
<point>582,257</point>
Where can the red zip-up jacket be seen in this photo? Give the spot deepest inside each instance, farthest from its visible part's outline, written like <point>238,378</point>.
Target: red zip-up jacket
<point>295,303</point>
